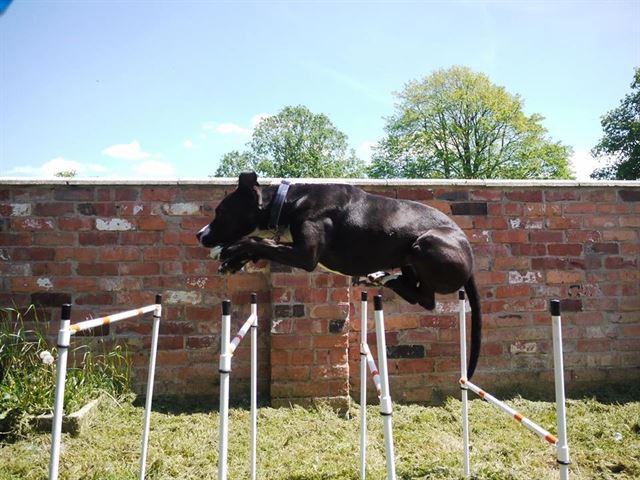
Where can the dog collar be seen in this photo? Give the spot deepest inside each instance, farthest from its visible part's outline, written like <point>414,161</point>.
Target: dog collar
<point>278,202</point>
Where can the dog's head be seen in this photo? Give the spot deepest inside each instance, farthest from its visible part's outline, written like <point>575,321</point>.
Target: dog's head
<point>236,215</point>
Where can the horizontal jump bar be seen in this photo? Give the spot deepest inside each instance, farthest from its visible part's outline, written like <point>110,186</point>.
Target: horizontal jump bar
<point>537,429</point>
<point>375,374</point>
<point>241,334</point>
<point>116,317</point>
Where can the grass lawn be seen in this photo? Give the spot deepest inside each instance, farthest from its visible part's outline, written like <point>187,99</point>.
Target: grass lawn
<point>302,444</point>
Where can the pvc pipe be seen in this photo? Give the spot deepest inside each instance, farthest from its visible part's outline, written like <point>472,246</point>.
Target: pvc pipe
<point>385,398</point>
<point>254,384</point>
<point>225,370</point>
<point>157,314</point>
<point>363,385</point>
<point>463,389</point>
<point>241,334</point>
<point>375,374</point>
<point>64,337</point>
<point>97,322</point>
<point>534,427</point>
<point>561,414</point>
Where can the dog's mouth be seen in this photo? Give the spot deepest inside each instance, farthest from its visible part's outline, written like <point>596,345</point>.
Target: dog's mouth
<point>215,252</point>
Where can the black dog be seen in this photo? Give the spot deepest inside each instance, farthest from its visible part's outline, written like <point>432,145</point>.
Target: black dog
<point>346,230</point>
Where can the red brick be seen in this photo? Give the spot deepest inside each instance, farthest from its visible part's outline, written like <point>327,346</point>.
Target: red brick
<point>127,193</point>
<point>75,224</point>
<point>145,268</point>
<point>54,238</point>
<point>53,209</point>
<point>177,238</point>
<point>159,194</point>
<point>120,254</point>
<point>565,249</point>
<point>557,276</point>
<point>97,269</point>
<point>510,236</point>
<point>34,254</point>
<point>98,238</point>
<point>152,223</point>
<point>524,196</point>
<point>139,238</point>
<point>78,254</point>
<point>154,254</point>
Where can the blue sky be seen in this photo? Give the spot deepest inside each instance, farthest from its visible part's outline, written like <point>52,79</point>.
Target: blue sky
<point>139,89</point>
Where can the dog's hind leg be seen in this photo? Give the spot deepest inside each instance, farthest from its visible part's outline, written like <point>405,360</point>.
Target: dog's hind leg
<point>409,288</point>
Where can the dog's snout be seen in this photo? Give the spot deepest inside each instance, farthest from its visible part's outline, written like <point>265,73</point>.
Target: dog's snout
<point>204,231</point>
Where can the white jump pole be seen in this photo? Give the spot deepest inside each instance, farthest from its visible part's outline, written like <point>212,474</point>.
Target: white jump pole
<point>157,314</point>
<point>254,385</point>
<point>225,370</point>
<point>64,338</point>
<point>560,442</point>
<point>227,348</point>
<point>363,385</point>
<point>562,446</point>
<point>385,397</point>
<point>463,388</point>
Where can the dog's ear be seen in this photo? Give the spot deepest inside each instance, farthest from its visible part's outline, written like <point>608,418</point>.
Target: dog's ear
<point>248,180</point>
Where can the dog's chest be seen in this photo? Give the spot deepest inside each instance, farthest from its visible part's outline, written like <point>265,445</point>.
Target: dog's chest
<point>283,235</point>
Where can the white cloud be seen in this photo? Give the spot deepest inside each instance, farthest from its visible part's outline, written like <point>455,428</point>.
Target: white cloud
<point>583,164</point>
<point>154,168</point>
<point>258,117</point>
<point>126,151</point>
<point>365,151</point>
<point>60,164</point>
<point>188,144</point>
<point>232,129</point>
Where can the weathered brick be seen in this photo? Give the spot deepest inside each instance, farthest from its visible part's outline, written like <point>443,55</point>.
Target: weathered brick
<point>469,208</point>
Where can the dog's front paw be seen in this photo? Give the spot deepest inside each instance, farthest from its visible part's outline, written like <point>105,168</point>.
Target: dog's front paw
<point>232,265</point>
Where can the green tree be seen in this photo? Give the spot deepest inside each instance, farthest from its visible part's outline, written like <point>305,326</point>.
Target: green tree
<point>66,174</point>
<point>233,163</point>
<point>621,140</point>
<point>456,124</point>
<point>295,143</point>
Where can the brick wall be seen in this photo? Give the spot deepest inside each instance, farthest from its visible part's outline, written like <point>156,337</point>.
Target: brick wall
<point>106,247</point>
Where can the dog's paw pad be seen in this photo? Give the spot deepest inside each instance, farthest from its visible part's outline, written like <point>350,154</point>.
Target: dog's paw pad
<point>376,277</point>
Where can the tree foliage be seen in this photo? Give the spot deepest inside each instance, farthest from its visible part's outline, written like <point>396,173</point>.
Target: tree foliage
<point>295,143</point>
<point>456,124</point>
<point>621,140</point>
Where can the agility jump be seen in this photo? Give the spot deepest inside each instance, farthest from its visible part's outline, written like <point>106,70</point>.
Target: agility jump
<point>227,347</point>
<point>64,338</point>
<point>381,382</point>
<point>560,442</point>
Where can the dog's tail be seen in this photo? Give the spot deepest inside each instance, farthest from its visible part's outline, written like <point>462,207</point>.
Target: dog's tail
<point>476,325</point>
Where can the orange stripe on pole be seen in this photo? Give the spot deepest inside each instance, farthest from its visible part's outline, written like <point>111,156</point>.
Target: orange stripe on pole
<point>518,417</point>
<point>481,393</point>
<point>551,439</point>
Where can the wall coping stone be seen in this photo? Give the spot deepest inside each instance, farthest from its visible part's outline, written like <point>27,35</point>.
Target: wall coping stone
<point>350,181</point>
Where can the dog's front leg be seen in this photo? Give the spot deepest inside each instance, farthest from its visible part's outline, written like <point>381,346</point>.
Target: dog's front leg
<point>303,252</point>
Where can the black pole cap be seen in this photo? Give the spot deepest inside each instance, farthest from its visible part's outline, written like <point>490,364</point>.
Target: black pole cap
<point>158,299</point>
<point>254,298</point>
<point>363,296</point>
<point>554,307</point>
<point>226,307</point>
<point>377,302</point>
<point>66,311</point>
<point>460,294</point>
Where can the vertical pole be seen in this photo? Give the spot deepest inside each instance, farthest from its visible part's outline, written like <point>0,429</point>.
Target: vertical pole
<point>225,370</point>
<point>157,314</point>
<point>363,386</point>
<point>254,384</point>
<point>385,397</point>
<point>558,365</point>
<point>64,337</point>
<point>466,462</point>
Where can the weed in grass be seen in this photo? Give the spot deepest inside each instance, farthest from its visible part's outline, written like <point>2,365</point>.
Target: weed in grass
<point>27,371</point>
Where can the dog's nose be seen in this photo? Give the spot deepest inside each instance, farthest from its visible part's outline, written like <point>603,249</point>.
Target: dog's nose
<point>204,231</point>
